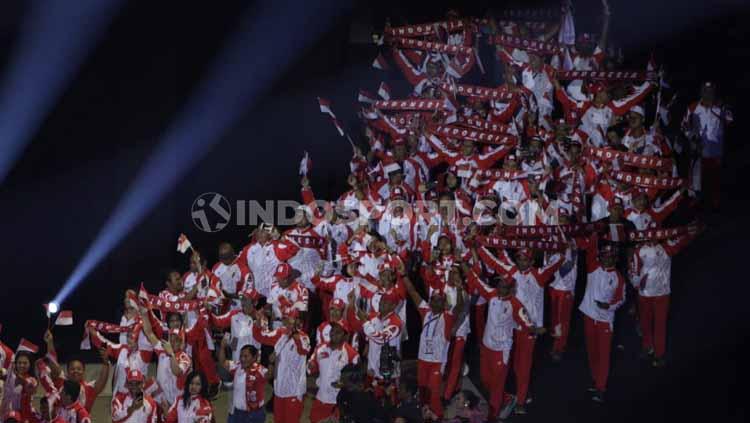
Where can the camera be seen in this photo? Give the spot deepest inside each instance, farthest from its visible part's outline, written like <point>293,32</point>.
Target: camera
<point>389,361</point>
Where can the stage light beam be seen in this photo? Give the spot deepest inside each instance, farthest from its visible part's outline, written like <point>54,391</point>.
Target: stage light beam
<point>259,52</point>
<point>54,39</point>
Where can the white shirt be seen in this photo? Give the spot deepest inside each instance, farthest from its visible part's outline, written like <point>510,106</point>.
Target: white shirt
<point>434,340</point>
<point>329,362</point>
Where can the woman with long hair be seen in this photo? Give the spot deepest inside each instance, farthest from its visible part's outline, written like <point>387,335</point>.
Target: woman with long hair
<point>20,386</point>
<point>192,406</point>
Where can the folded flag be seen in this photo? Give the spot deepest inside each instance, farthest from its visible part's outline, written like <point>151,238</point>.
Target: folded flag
<point>183,243</point>
<point>26,345</point>
<point>305,165</point>
<point>384,91</point>
<point>65,318</point>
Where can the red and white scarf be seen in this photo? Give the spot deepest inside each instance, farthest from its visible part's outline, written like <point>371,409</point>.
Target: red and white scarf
<point>648,181</point>
<point>484,93</point>
<point>628,159</point>
<point>484,125</point>
<point>545,231</point>
<point>535,46</point>
<point>500,242</point>
<point>607,75</point>
<point>663,233</point>
<point>411,104</point>
<point>500,175</point>
<point>476,135</point>
<point>421,30</point>
<point>308,241</point>
<point>430,46</point>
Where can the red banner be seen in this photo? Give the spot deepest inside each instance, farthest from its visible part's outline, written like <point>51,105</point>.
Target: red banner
<point>648,181</point>
<point>663,233</point>
<point>416,104</point>
<point>421,30</point>
<point>414,44</point>
<point>525,44</point>
<point>484,93</point>
<point>500,242</point>
<point>497,128</point>
<point>607,75</point>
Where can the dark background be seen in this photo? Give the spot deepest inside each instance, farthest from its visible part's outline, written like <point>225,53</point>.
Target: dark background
<point>113,112</point>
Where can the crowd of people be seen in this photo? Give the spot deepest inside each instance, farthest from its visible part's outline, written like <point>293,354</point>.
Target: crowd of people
<point>479,205</point>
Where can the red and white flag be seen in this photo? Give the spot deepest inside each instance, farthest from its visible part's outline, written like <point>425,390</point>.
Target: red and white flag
<point>325,106</point>
<point>365,97</point>
<point>380,62</point>
<point>65,318</point>
<point>183,243</point>
<point>384,91</point>
<point>305,165</point>
<point>25,345</point>
<point>143,294</point>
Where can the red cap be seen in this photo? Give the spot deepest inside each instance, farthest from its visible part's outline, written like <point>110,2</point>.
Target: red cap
<point>385,266</point>
<point>338,303</point>
<point>597,87</point>
<point>249,293</point>
<point>616,201</point>
<point>398,192</point>
<point>283,270</point>
<point>391,297</point>
<point>526,252</point>
<point>608,250</point>
<point>134,375</point>
<point>398,141</point>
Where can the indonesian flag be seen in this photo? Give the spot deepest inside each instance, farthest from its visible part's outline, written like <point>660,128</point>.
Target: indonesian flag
<point>305,165</point>
<point>183,243</point>
<point>65,318</point>
<point>567,32</point>
<point>143,294</point>
<point>380,62</point>
<point>384,91</point>
<point>325,106</point>
<point>25,345</point>
<point>365,97</point>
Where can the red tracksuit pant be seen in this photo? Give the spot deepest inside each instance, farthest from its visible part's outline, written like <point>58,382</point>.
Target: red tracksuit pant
<point>287,410</point>
<point>523,355</point>
<point>429,379</point>
<point>455,366</point>
<point>652,313</point>
<point>561,308</point>
<point>321,411</point>
<point>598,346</point>
<point>493,371</point>
<point>204,361</point>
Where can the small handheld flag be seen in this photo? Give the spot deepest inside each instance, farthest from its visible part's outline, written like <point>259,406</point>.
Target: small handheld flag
<point>183,243</point>
<point>65,318</point>
<point>305,165</point>
<point>28,346</point>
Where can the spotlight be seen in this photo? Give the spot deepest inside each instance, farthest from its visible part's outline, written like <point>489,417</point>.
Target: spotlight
<point>52,308</point>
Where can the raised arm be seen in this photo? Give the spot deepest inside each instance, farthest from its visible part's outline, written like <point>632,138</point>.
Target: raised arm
<point>606,13</point>
<point>544,274</point>
<point>413,294</point>
<point>620,107</point>
<point>103,378</point>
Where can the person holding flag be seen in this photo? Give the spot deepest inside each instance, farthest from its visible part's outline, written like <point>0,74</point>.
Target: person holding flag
<point>20,382</point>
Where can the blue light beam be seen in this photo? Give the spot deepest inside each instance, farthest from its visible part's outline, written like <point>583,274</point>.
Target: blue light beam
<point>249,64</point>
<point>55,38</point>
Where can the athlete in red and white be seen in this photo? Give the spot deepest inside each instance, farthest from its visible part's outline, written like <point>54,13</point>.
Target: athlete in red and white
<point>71,410</point>
<point>263,254</point>
<point>240,323</point>
<point>234,275</point>
<point>605,292</point>
<point>291,346</point>
<point>249,383</point>
<point>286,294</point>
<point>192,405</point>
<point>505,313</point>
<point>644,213</point>
<point>434,343</point>
<point>127,357</point>
<point>651,275</point>
<point>173,363</point>
<point>326,362</point>
<point>530,282</point>
<point>133,405</point>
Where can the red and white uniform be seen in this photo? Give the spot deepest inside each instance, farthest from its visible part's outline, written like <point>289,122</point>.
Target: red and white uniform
<point>249,387</point>
<point>653,215</point>
<point>327,362</point>
<point>123,400</point>
<point>561,292</point>
<point>380,331</point>
<point>465,166</point>
<point>434,342</point>
<point>290,383</point>
<point>398,231</point>
<point>235,278</point>
<point>125,359</point>
<point>199,410</point>
<point>504,315</point>
<point>241,330</point>
<point>171,385</point>
<point>17,394</point>
<point>262,260</point>
<point>143,343</point>
<point>283,300</point>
